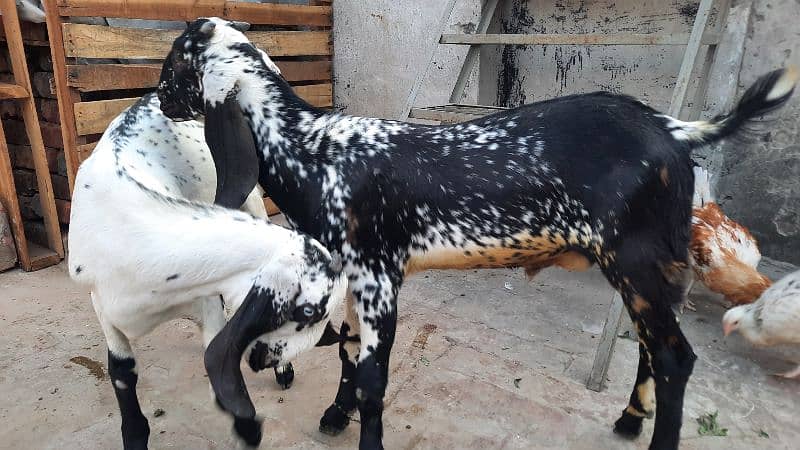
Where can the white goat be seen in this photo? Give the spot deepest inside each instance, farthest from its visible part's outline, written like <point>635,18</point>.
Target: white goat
<point>150,255</point>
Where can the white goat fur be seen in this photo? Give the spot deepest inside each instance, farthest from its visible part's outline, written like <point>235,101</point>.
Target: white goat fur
<point>139,218</point>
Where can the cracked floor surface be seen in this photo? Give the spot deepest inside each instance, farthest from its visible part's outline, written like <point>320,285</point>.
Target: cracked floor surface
<point>482,360</point>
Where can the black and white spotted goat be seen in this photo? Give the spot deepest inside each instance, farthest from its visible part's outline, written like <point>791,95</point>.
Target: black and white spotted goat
<point>147,241</point>
<point>574,181</point>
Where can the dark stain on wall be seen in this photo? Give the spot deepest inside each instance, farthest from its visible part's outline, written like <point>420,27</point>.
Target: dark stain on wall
<point>509,82</point>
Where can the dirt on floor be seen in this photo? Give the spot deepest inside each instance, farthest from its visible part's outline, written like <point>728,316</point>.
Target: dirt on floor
<point>482,360</point>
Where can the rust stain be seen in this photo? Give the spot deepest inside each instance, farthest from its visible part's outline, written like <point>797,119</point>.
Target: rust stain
<point>423,333</point>
<point>95,367</point>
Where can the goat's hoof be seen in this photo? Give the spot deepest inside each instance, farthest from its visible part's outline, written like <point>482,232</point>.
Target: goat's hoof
<point>334,421</point>
<point>248,430</point>
<point>135,444</point>
<point>628,425</point>
<point>284,375</point>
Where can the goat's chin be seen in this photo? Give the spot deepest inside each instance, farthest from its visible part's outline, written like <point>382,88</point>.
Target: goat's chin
<point>283,345</point>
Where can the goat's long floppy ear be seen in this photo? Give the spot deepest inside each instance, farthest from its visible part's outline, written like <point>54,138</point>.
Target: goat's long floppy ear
<point>255,316</point>
<point>329,337</point>
<point>233,148</point>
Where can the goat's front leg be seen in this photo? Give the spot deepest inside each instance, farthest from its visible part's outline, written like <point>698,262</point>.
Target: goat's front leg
<point>337,416</point>
<point>123,375</point>
<point>377,313</point>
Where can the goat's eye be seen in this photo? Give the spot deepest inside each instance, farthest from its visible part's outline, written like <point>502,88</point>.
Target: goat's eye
<point>303,313</point>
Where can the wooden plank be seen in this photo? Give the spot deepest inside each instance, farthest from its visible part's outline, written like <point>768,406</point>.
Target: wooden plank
<point>85,151</point>
<point>12,91</point>
<point>19,65</point>
<point>105,77</point>
<point>453,113</point>
<point>67,97</point>
<point>319,95</point>
<point>412,96</point>
<point>277,14</point>
<point>132,43</point>
<point>575,39</point>
<point>188,10</point>
<point>34,34</point>
<point>94,117</point>
<point>689,57</point>
<point>605,348</point>
<point>8,197</point>
<point>487,13</point>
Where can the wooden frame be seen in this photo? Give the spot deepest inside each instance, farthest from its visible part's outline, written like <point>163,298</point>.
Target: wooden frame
<point>92,91</point>
<point>31,256</point>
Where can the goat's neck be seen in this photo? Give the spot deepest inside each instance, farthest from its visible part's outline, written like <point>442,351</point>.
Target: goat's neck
<point>291,175</point>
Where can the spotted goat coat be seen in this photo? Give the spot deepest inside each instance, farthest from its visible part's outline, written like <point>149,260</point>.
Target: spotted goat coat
<point>146,240</point>
<point>574,181</point>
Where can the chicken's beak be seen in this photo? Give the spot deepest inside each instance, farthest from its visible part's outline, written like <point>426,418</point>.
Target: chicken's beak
<point>727,328</point>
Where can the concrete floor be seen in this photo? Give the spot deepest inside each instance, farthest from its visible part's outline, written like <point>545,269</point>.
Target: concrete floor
<point>463,338</point>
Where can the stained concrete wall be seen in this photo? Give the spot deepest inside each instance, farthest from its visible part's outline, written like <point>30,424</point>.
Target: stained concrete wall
<point>382,45</point>
<point>760,178</point>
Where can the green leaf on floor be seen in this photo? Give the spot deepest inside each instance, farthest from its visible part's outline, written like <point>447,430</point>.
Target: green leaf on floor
<point>709,426</point>
<point>762,433</point>
<point>424,361</point>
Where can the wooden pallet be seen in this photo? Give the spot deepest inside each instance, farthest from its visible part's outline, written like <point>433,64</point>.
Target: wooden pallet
<point>92,90</point>
<point>31,255</point>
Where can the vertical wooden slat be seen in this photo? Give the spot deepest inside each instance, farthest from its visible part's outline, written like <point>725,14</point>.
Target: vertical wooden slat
<point>412,96</point>
<point>689,57</point>
<point>19,66</point>
<point>8,195</point>
<point>605,348</point>
<point>487,13</point>
<point>67,97</point>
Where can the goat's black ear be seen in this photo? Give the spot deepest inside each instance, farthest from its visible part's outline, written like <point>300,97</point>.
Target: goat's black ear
<point>241,26</point>
<point>208,27</point>
<point>257,315</point>
<point>329,337</point>
<point>233,148</point>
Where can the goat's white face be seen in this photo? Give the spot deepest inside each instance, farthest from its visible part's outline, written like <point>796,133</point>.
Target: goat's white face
<point>305,296</point>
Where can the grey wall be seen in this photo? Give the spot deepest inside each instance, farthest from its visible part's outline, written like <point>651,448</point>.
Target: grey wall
<point>382,45</point>
<point>760,179</point>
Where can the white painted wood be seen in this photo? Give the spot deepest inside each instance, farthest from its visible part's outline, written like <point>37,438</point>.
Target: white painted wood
<point>689,58</point>
<point>487,14</point>
<point>602,359</point>
<point>576,39</point>
<point>412,96</point>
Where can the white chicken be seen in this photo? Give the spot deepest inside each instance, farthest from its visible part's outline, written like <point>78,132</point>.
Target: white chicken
<point>772,320</point>
<point>724,255</point>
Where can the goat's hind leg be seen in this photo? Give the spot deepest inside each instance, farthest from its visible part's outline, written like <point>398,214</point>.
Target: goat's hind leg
<point>337,416</point>
<point>642,400</point>
<point>648,295</point>
<point>123,375</point>
<point>666,352</point>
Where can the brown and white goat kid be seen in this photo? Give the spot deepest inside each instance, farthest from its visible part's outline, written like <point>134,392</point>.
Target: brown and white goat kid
<point>574,181</point>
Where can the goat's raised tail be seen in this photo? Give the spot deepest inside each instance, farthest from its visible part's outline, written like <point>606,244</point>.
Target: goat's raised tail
<point>769,92</point>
